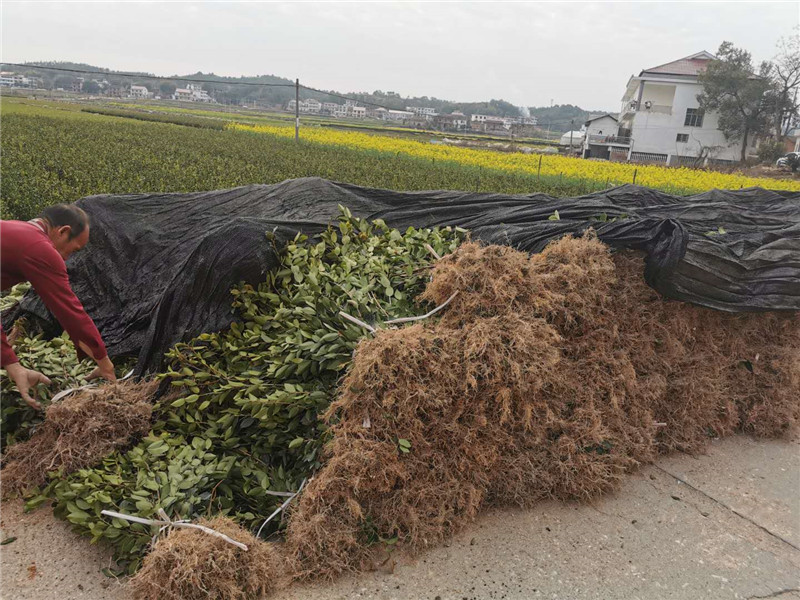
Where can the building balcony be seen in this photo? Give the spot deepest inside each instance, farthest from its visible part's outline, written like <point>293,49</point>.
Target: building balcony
<point>611,140</point>
<point>659,109</point>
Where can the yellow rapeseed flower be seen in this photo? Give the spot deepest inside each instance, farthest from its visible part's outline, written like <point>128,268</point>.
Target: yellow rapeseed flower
<point>677,179</point>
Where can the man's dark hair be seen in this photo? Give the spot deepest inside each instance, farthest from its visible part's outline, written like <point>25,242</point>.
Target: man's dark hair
<point>59,215</point>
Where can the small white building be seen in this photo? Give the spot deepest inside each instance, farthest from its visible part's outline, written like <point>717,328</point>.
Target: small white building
<point>192,93</point>
<point>600,130</point>
<point>422,111</point>
<point>139,91</point>
<point>357,112</point>
<point>661,121</point>
<point>11,79</point>
<point>183,94</point>
<point>398,115</point>
<point>489,123</point>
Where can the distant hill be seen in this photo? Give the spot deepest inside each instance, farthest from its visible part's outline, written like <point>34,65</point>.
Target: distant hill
<point>558,116</point>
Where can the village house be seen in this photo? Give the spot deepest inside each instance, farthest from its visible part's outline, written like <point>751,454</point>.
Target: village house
<point>139,91</point>
<point>398,115</point>
<point>422,110</point>
<point>453,122</point>
<point>308,105</point>
<point>489,124</point>
<point>602,129</point>
<point>356,112</point>
<point>661,120</point>
<point>418,121</point>
<point>11,79</point>
<point>192,93</point>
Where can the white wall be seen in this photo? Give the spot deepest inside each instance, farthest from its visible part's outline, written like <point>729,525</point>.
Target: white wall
<point>604,126</point>
<point>657,132</point>
<point>659,94</point>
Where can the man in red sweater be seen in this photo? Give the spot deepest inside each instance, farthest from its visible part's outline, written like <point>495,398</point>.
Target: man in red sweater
<point>35,251</point>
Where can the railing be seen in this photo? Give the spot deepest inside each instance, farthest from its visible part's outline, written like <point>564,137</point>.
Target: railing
<point>660,109</point>
<point>648,158</point>
<point>610,139</point>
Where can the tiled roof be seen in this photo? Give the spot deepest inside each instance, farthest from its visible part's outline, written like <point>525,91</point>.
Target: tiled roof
<point>690,65</point>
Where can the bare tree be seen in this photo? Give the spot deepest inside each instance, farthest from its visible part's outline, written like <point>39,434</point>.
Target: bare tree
<point>786,81</point>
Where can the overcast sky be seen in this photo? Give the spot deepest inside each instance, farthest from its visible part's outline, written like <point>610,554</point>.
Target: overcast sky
<point>526,53</point>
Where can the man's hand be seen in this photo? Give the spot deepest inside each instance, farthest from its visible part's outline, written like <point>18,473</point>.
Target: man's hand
<point>105,369</point>
<point>25,380</point>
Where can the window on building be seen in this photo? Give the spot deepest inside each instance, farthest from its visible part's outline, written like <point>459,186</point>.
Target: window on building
<point>682,137</point>
<point>694,117</point>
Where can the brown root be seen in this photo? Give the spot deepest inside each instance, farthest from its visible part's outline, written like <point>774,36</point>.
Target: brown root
<point>549,375</point>
<point>77,432</point>
<point>188,564</point>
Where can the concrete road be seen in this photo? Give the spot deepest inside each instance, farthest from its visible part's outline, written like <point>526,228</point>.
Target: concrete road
<point>718,526</point>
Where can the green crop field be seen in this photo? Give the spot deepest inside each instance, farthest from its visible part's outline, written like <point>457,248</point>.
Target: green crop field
<point>53,152</point>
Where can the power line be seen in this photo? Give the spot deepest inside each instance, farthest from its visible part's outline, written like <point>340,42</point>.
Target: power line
<point>215,81</point>
<point>342,97</point>
<point>141,76</point>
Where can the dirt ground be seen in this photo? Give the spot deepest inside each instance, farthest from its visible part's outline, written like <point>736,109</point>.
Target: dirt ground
<point>721,525</point>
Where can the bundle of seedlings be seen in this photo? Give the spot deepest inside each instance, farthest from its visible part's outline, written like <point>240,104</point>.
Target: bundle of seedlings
<point>241,427</point>
<point>55,358</point>
<point>188,564</point>
<point>78,432</point>
<point>548,376</point>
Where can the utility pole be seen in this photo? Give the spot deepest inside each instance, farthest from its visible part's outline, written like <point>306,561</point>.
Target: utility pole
<point>297,110</point>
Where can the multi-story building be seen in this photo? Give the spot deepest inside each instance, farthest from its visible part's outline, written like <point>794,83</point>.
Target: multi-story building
<point>398,115</point>
<point>661,120</point>
<point>139,91</point>
<point>311,106</point>
<point>328,108</point>
<point>453,122</point>
<point>489,124</point>
<point>183,94</point>
<point>422,111</point>
<point>306,106</point>
<point>192,93</point>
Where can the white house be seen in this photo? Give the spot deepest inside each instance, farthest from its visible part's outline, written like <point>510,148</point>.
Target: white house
<point>422,111</point>
<point>398,115</point>
<point>599,129</point>
<point>661,122</point>
<point>489,123</point>
<point>139,91</point>
<point>311,106</point>
<point>11,79</point>
<point>183,94</point>
<point>192,93</point>
<point>357,112</point>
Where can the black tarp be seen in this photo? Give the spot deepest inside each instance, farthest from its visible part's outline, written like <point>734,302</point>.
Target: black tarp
<point>159,267</point>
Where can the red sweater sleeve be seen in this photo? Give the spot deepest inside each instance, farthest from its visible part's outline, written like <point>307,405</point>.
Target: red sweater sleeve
<point>7,355</point>
<point>46,271</point>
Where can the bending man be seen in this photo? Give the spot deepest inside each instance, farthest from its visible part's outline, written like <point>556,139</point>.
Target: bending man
<point>35,251</point>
